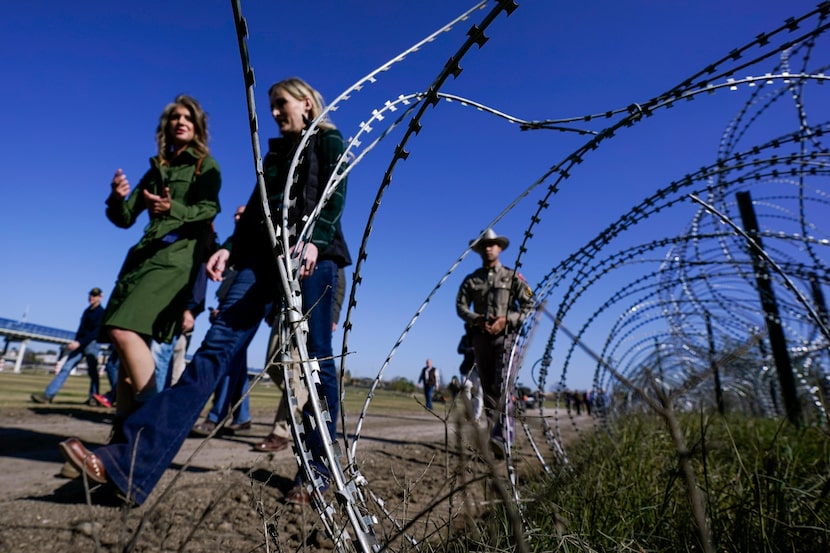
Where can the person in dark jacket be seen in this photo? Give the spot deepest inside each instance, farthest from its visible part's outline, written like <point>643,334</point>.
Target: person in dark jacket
<point>430,379</point>
<point>84,346</point>
<point>155,432</point>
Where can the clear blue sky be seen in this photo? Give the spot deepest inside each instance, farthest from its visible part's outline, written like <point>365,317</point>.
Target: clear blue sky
<point>84,83</point>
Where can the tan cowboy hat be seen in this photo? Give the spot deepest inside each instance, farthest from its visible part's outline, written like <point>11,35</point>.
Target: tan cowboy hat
<point>489,237</point>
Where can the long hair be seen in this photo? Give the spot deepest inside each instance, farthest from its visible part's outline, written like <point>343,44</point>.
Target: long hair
<point>301,90</point>
<point>200,133</point>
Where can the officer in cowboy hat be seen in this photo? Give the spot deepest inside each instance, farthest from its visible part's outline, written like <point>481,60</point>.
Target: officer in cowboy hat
<point>489,237</point>
<point>494,301</point>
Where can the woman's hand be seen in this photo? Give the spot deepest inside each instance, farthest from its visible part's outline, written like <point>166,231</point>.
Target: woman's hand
<point>216,264</point>
<point>120,185</point>
<point>157,204</point>
<point>309,261</point>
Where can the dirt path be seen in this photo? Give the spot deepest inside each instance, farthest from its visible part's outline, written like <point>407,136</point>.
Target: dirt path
<point>31,463</point>
<point>220,502</point>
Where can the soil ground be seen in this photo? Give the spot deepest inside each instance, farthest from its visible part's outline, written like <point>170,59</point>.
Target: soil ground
<point>229,494</point>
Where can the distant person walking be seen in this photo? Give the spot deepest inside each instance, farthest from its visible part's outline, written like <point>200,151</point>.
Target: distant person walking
<point>494,301</point>
<point>85,345</point>
<point>430,378</point>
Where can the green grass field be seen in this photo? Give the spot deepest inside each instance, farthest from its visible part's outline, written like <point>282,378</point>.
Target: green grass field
<point>15,390</point>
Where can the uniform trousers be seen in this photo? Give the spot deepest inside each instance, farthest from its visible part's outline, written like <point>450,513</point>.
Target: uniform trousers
<point>492,364</point>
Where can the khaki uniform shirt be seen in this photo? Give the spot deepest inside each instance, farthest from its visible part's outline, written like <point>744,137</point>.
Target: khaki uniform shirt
<point>496,292</point>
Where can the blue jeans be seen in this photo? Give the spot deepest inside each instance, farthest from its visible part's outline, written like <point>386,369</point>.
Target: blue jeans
<point>163,359</point>
<point>90,352</point>
<point>157,429</point>
<point>429,391</point>
<point>318,293</point>
<point>228,393</point>
<point>111,368</point>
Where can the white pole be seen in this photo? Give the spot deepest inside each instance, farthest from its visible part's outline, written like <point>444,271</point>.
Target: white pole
<point>19,361</point>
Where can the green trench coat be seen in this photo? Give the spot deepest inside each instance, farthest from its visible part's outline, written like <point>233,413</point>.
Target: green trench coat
<point>157,277</point>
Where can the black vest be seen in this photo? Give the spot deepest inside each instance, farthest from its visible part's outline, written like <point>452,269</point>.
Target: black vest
<point>245,243</point>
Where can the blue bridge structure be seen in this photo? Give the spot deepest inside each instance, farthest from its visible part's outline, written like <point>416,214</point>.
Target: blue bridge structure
<point>24,332</point>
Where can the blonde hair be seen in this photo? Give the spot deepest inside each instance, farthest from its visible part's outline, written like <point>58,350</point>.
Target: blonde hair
<point>301,90</point>
<point>200,132</point>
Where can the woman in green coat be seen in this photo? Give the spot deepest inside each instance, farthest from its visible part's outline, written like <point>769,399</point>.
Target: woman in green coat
<point>181,195</point>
